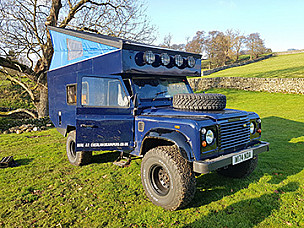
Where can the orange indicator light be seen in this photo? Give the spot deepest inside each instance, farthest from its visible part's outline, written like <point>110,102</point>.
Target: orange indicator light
<point>204,144</point>
<point>177,127</point>
<point>259,131</point>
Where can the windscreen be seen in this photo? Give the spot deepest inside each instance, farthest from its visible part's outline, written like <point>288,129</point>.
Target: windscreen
<point>148,88</point>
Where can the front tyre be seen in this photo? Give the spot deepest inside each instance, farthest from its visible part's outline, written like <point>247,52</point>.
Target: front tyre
<point>76,158</point>
<point>167,178</point>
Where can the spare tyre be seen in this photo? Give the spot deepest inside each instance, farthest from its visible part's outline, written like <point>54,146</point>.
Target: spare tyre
<point>200,101</point>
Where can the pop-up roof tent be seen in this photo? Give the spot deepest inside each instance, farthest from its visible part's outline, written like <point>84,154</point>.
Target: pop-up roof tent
<point>75,47</point>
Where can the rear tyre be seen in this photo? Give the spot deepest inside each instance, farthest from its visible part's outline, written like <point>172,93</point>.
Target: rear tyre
<point>241,170</point>
<point>167,178</point>
<point>76,158</point>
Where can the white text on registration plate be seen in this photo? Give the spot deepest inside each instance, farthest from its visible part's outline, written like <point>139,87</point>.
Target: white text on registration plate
<point>236,159</point>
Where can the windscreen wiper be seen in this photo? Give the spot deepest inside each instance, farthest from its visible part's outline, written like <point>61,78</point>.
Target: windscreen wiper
<point>157,94</point>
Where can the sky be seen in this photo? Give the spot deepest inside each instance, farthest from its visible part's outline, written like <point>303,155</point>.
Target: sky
<point>279,22</point>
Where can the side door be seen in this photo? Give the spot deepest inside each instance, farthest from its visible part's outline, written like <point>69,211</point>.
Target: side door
<point>104,114</point>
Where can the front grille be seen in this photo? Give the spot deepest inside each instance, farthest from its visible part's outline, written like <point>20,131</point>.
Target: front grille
<point>234,134</point>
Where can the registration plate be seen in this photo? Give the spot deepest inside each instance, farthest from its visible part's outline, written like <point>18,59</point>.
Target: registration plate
<point>236,159</point>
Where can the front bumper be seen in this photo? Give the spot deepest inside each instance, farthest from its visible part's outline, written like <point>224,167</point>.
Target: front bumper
<point>225,160</point>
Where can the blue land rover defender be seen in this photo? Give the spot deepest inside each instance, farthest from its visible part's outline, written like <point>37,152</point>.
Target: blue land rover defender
<point>107,93</point>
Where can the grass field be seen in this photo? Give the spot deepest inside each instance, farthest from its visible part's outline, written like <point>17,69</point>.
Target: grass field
<point>283,66</point>
<point>45,190</point>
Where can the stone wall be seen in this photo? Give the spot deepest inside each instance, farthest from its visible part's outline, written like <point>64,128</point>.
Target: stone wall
<point>273,85</point>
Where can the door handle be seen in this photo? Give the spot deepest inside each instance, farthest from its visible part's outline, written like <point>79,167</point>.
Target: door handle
<point>88,125</point>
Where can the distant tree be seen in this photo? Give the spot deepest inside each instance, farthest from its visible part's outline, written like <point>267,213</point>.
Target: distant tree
<point>240,41</point>
<point>197,44</point>
<point>268,50</point>
<point>255,45</point>
<point>230,36</point>
<point>216,48</point>
<point>222,49</point>
<point>179,47</point>
<point>167,43</point>
<point>23,29</point>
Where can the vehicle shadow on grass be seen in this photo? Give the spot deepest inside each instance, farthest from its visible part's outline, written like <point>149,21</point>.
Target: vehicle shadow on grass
<point>24,161</point>
<point>246,213</point>
<point>105,157</point>
<point>285,158</point>
<point>213,187</point>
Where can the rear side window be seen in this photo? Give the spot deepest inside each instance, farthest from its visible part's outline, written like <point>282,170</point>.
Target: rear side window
<point>103,92</point>
<point>71,94</point>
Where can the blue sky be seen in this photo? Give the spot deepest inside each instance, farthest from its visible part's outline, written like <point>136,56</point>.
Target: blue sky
<point>280,23</point>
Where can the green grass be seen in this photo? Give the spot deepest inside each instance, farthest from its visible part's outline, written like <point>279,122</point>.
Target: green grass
<point>283,66</point>
<point>45,190</point>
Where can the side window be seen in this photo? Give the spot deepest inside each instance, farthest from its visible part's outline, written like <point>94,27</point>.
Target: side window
<point>103,92</point>
<point>85,93</point>
<point>71,91</point>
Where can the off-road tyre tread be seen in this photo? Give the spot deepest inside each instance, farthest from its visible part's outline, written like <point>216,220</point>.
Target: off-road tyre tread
<point>241,170</point>
<point>198,102</point>
<point>184,176</point>
<point>82,157</point>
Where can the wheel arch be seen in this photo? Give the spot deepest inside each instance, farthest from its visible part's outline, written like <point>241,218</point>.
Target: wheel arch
<point>66,131</point>
<point>69,129</point>
<point>167,137</point>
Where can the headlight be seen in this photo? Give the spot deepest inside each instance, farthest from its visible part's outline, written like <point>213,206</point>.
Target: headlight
<point>165,59</point>
<point>191,61</point>
<point>179,61</point>
<point>149,57</point>
<point>209,137</point>
<point>252,128</point>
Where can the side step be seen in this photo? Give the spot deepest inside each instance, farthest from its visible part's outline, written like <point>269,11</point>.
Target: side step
<point>122,161</point>
<point>7,162</point>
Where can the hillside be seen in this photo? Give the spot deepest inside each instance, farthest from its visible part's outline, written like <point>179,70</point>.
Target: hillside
<point>282,66</point>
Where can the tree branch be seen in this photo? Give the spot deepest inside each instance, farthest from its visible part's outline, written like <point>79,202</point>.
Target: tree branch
<point>17,111</point>
<point>14,65</point>
<point>78,6</point>
<point>24,86</point>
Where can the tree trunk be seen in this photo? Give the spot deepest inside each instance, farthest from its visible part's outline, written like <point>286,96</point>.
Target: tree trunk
<point>43,104</point>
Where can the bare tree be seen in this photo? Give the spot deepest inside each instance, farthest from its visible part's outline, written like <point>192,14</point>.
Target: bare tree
<point>238,45</point>
<point>179,47</point>
<point>216,48</point>
<point>167,41</point>
<point>255,45</point>
<point>197,44</point>
<point>231,41</point>
<point>23,30</point>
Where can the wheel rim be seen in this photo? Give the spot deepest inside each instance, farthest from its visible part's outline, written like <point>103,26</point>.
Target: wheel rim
<point>160,180</point>
<point>73,149</point>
